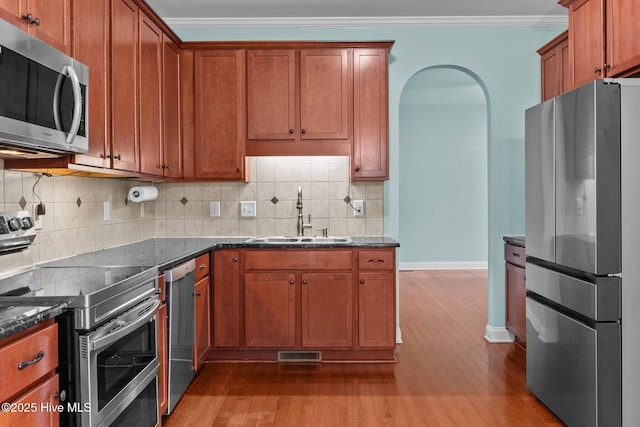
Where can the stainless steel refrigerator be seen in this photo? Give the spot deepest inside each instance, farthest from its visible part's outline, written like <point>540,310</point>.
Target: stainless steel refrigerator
<point>583,253</point>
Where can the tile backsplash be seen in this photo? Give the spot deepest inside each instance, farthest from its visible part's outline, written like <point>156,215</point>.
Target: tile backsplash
<point>75,223</point>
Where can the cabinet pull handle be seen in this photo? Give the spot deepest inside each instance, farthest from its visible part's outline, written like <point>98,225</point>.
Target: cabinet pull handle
<point>375,260</point>
<point>198,294</point>
<point>516,254</point>
<point>117,157</point>
<point>362,281</point>
<point>235,259</point>
<point>291,282</point>
<point>203,266</point>
<point>38,358</point>
<point>291,131</point>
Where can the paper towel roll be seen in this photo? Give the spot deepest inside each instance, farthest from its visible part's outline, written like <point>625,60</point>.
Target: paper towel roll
<point>143,194</point>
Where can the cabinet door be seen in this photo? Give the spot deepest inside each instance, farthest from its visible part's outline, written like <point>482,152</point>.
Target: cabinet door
<point>202,322</point>
<point>91,47</point>
<point>43,396</point>
<point>269,313</point>
<point>55,22</point>
<point>327,310</point>
<point>226,298</point>
<point>369,159</point>
<point>554,61</point>
<point>516,293</point>
<point>219,114</point>
<point>12,12</point>
<point>376,309</point>
<point>171,141</point>
<point>150,97</point>
<point>325,86</point>
<point>124,85</point>
<point>271,94</point>
<point>586,40</point>
<point>623,44</point>
<point>163,352</point>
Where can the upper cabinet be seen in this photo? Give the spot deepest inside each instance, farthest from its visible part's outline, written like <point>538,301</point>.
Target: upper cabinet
<point>601,39</point>
<point>299,96</point>
<point>171,120</point>
<point>48,20</point>
<point>554,64</point>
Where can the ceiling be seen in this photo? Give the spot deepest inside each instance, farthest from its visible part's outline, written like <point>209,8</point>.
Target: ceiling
<point>235,9</point>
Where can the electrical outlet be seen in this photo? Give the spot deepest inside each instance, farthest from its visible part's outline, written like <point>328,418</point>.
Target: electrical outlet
<point>37,217</point>
<point>107,211</point>
<point>358,208</point>
<point>248,209</point>
<point>214,209</point>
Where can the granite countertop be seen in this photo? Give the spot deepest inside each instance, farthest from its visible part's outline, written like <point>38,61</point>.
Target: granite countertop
<point>158,253</point>
<point>515,240</point>
<point>18,317</point>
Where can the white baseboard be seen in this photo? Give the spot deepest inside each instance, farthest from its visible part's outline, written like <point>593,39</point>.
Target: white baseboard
<point>398,335</point>
<point>446,265</point>
<point>497,335</point>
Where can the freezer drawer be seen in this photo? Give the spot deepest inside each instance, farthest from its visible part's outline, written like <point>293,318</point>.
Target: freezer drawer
<point>572,368</point>
<point>598,299</point>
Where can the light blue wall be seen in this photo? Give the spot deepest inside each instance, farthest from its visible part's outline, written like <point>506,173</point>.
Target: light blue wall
<point>503,58</point>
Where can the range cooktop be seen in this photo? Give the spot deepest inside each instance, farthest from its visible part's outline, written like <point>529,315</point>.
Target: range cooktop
<point>79,286</point>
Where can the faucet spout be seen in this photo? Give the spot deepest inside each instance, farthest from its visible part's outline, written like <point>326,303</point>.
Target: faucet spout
<point>300,226</point>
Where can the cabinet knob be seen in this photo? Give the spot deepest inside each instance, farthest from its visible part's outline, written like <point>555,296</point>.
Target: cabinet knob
<point>117,157</point>
<point>291,282</point>
<point>607,66</point>
<point>304,282</point>
<point>62,395</point>
<point>31,20</point>
<point>235,259</point>
<point>362,281</point>
<point>357,168</point>
<point>238,170</point>
<point>597,70</point>
<point>291,131</point>
<point>304,131</point>
<point>198,294</point>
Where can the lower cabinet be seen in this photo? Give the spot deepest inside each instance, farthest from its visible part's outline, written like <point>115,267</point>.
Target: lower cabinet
<point>516,292</point>
<point>267,300</point>
<point>269,310</point>
<point>202,301</point>
<point>29,360</point>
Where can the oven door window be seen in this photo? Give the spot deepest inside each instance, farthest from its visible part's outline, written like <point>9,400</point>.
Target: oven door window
<point>118,364</point>
<point>143,411</point>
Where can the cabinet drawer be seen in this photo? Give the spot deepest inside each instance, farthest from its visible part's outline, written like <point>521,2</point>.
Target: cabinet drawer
<point>376,259</point>
<point>41,347</point>
<point>203,265</point>
<point>291,259</point>
<point>514,254</point>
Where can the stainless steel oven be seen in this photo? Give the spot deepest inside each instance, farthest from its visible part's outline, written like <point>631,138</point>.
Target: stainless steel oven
<point>108,343</point>
<point>118,362</point>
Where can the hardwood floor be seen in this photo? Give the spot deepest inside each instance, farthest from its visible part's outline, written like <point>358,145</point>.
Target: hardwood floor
<point>447,374</point>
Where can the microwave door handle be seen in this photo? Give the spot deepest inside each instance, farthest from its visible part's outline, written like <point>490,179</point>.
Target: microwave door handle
<point>77,103</point>
<point>56,101</point>
<point>113,336</point>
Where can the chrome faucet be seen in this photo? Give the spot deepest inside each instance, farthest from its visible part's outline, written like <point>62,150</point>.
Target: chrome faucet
<point>300,226</point>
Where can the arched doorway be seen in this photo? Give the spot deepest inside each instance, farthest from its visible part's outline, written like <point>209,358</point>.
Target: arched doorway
<point>443,196</point>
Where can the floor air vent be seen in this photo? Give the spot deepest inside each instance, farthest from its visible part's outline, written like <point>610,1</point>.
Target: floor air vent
<point>299,356</point>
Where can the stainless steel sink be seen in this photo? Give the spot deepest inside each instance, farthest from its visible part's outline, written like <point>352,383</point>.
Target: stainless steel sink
<point>300,240</point>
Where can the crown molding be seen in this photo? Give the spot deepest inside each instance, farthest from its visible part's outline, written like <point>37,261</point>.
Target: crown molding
<point>357,22</point>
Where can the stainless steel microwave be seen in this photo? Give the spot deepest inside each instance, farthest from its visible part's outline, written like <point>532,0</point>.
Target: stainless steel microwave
<point>43,98</point>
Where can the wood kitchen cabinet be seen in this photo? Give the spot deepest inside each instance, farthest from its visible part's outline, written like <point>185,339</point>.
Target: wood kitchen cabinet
<point>269,310</point>
<point>554,65</point>
<point>215,147</point>
<point>376,298</point>
<point>298,96</point>
<point>227,311</point>
<point>202,294</point>
<point>601,41</point>
<point>171,120</point>
<point>327,310</point>
<point>36,383</point>
<point>516,291</point>
<point>370,152</point>
<point>49,21</point>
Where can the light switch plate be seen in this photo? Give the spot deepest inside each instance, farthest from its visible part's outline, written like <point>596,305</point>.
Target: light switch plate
<point>107,210</point>
<point>248,209</point>
<point>214,209</point>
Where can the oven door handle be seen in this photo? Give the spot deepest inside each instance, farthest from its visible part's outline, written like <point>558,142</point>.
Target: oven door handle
<point>122,327</point>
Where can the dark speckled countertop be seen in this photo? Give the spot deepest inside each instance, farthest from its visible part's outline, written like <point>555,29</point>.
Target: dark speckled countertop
<point>159,253</point>
<point>514,240</point>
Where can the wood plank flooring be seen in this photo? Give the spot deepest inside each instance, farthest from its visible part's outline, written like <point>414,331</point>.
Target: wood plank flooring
<point>447,374</point>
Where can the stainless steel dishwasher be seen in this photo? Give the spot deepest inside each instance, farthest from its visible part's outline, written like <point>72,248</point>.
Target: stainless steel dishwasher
<point>180,283</point>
